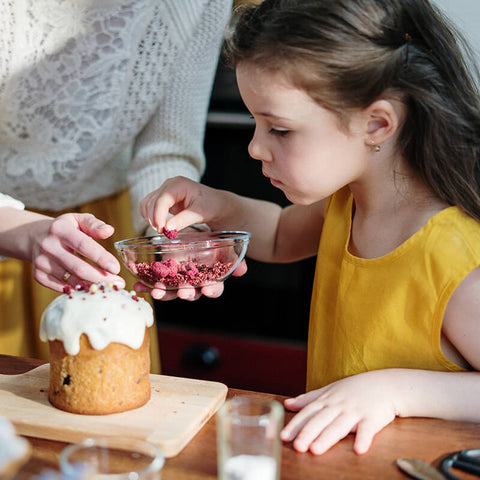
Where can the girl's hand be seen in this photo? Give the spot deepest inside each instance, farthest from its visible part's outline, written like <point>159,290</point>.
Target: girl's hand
<point>188,292</point>
<point>189,202</point>
<point>363,403</point>
<point>64,251</point>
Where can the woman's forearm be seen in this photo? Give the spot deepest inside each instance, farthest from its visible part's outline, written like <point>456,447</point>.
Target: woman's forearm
<point>17,231</point>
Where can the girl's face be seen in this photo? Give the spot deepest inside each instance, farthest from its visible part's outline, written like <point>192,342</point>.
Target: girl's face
<point>302,147</point>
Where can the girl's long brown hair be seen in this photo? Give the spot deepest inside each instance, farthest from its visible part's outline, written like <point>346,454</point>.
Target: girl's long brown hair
<point>348,53</point>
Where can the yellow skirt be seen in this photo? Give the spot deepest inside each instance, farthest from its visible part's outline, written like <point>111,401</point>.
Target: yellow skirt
<point>22,299</point>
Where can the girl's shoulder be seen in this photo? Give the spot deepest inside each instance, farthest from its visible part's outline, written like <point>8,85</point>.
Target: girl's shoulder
<point>455,229</point>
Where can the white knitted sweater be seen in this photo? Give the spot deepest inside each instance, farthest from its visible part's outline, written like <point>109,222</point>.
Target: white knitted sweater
<point>98,95</point>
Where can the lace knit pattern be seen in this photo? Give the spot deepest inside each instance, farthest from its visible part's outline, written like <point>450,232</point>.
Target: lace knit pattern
<point>85,84</point>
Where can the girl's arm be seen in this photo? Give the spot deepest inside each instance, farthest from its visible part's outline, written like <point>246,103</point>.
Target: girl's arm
<point>461,325</point>
<point>367,402</point>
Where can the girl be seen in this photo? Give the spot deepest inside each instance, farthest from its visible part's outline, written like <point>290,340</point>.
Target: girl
<point>368,120</point>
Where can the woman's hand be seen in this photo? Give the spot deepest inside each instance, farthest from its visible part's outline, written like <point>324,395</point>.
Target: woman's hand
<point>363,404</point>
<point>64,251</point>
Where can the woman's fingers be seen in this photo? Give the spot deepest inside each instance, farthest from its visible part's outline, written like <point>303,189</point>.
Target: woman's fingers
<point>74,230</point>
<point>67,254</point>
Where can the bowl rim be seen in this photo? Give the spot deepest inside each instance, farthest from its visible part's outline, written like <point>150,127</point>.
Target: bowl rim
<point>199,240</point>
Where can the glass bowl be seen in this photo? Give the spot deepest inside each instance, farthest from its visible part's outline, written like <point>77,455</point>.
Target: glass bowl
<point>112,458</point>
<point>190,259</point>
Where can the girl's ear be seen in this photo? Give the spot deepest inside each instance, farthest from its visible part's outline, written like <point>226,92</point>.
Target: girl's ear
<point>382,120</point>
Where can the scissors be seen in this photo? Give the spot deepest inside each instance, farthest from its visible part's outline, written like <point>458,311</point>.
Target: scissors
<point>464,460</point>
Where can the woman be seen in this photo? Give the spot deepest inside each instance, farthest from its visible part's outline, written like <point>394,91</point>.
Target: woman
<point>101,102</point>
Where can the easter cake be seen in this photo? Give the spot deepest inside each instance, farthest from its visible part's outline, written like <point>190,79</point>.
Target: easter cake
<point>99,349</point>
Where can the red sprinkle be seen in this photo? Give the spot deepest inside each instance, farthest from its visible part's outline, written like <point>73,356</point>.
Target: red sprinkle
<point>170,234</point>
<point>83,285</point>
<point>67,289</point>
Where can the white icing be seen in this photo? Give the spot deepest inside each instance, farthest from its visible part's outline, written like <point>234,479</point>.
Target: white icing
<point>105,314</point>
<point>12,447</point>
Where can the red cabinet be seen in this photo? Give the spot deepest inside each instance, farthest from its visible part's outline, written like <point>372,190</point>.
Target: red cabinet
<point>238,361</point>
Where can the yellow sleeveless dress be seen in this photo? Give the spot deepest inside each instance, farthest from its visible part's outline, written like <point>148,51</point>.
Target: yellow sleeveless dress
<point>22,299</point>
<point>386,312</point>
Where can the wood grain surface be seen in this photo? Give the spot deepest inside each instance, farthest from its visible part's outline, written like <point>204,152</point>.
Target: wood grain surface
<point>176,411</point>
<point>423,438</point>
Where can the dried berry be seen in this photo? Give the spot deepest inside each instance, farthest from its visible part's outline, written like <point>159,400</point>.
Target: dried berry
<point>174,275</point>
<point>170,234</point>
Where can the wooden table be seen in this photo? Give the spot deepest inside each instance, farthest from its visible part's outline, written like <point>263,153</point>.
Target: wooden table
<point>426,439</point>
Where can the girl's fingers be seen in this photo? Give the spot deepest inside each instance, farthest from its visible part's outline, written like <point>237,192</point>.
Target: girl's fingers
<point>144,206</point>
<point>171,196</point>
<point>184,219</point>
<point>241,269</point>
<point>213,291</point>
<point>185,293</point>
<point>366,431</point>
<point>189,293</point>
<point>331,433</point>
<point>311,427</point>
<point>297,423</point>
<point>158,210</point>
<point>163,294</point>
<point>319,430</point>
<point>297,403</point>
<point>141,287</point>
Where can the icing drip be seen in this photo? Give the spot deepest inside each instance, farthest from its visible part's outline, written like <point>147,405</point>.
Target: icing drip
<point>105,313</point>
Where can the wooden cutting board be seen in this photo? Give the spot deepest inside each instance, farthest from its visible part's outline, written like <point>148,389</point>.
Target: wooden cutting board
<point>176,411</point>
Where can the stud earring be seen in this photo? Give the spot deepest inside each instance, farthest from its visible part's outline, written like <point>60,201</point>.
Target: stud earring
<point>375,146</point>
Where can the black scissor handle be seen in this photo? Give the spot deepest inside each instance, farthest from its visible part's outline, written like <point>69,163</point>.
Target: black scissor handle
<point>464,460</point>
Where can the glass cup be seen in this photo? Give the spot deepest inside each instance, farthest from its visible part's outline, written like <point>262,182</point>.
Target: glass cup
<point>248,439</point>
<point>112,458</point>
